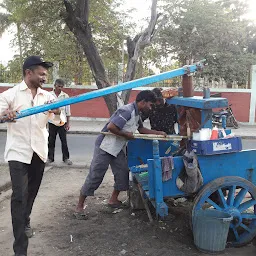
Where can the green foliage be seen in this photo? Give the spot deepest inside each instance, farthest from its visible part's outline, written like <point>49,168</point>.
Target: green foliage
<point>11,73</point>
<point>43,32</point>
<point>4,22</point>
<point>196,29</point>
<point>214,30</point>
<point>2,73</point>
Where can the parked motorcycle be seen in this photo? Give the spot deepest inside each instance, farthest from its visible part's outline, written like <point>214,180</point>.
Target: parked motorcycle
<point>230,118</point>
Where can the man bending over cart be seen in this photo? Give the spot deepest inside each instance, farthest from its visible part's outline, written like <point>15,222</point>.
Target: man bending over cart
<point>109,150</point>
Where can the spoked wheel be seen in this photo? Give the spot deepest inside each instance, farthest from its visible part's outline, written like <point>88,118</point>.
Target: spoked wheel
<point>234,123</point>
<point>231,122</point>
<point>236,196</point>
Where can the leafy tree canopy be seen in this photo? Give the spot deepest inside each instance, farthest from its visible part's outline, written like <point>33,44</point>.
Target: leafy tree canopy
<point>215,30</point>
<point>42,31</point>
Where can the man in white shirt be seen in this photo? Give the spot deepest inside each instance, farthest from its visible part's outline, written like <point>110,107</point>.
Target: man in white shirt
<point>26,145</point>
<point>59,125</point>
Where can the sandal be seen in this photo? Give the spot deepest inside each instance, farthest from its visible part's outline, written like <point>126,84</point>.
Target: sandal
<point>114,206</point>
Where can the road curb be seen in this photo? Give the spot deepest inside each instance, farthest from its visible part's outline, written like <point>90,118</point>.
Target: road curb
<point>84,132</point>
<point>72,132</point>
<point>7,185</point>
<point>73,166</point>
<point>247,137</point>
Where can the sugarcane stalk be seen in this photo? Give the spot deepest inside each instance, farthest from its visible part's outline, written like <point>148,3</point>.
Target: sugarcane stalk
<point>151,136</point>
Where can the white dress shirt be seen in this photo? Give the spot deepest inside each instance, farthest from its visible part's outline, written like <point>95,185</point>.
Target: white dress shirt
<point>29,134</point>
<point>60,120</point>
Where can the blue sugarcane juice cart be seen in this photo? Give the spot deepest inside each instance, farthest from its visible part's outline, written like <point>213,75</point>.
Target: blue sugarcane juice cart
<point>228,173</point>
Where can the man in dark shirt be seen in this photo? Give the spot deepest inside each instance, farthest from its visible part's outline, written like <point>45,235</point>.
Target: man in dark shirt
<point>162,116</point>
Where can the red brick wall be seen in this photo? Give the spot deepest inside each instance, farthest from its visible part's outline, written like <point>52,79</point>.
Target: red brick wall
<point>92,108</point>
<point>97,108</point>
<point>240,103</point>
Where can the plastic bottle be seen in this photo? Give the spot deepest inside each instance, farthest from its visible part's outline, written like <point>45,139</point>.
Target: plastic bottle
<point>224,135</point>
<point>214,135</point>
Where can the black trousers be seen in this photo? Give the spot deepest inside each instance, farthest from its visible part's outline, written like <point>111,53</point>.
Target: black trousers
<point>26,180</point>
<point>53,131</point>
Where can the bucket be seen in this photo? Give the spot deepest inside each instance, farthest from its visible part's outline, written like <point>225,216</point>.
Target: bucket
<point>210,230</point>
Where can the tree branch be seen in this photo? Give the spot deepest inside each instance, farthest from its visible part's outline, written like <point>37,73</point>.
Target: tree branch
<point>138,44</point>
<point>69,15</point>
<point>77,21</point>
<point>82,10</point>
<point>146,37</point>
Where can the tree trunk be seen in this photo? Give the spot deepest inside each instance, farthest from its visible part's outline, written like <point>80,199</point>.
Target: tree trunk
<point>77,21</point>
<point>20,46</point>
<point>137,45</point>
<point>79,71</point>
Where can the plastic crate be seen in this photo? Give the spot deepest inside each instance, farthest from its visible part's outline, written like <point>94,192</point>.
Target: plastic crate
<point>214,147</point>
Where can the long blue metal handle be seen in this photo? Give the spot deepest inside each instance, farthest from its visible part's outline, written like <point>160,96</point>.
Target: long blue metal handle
<point>112,89</point>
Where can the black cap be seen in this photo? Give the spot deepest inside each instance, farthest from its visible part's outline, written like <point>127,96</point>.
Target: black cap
<point>36,60</point>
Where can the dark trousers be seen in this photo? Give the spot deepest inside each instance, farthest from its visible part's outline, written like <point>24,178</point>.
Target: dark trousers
<point>26,180</point>
<point>53,131</point>
<point>99,166</point>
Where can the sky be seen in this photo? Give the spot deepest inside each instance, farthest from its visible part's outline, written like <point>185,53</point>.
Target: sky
<point>6,51</point>
<point>142,10</point>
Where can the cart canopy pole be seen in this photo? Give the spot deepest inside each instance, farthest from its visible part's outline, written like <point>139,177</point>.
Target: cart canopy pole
<point>112,89</point>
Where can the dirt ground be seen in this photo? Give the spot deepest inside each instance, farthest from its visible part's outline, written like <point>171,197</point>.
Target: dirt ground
<point>105,233</point>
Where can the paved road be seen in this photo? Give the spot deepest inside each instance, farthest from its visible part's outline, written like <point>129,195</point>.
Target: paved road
<point>81,147</point>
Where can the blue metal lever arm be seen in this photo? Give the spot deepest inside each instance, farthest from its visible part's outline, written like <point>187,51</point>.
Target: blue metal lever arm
<point>112,89</point>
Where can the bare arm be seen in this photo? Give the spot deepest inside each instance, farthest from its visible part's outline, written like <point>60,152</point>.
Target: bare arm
<point>114,129</point>
<point>67,125</point>
<point>55,111</point>
<point>145,130</point>
<point>7,114</point>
